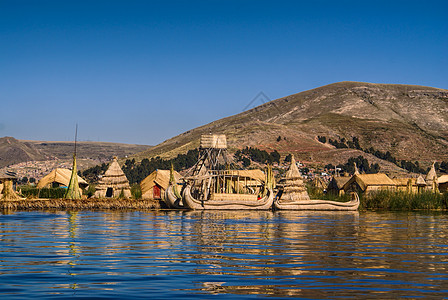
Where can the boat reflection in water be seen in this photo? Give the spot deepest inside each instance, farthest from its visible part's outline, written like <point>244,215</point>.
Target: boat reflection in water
<point>174,254</point>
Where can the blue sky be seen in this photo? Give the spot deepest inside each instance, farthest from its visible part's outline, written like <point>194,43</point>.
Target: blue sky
<point>144,71</point>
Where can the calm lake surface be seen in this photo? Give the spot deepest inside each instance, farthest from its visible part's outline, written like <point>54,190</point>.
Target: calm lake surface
<point>177,254</point>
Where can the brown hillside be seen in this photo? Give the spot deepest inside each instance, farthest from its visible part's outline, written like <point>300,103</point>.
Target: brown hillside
<point>13,151</point>
<point>410,121</point>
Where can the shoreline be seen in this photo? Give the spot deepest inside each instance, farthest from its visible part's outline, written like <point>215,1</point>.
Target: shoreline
<point>118,204</point>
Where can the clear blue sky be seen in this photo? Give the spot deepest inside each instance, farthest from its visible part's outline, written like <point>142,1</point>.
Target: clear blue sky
<point>144,71</point>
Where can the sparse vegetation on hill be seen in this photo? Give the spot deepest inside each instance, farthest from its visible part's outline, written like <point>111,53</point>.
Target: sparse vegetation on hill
<point>257,155</point>
<point>362,164</point>
<point>387,156</point>
<point>409,122</point>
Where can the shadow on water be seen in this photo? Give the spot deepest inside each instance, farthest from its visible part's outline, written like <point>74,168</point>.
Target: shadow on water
<point>230,253</point>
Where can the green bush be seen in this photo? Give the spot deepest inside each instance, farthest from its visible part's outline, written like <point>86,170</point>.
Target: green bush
<point>90,191</point>
<point>51,193</point>
<point>136,191</point>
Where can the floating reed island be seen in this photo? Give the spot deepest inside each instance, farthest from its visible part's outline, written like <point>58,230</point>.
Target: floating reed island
<point>79,204</point>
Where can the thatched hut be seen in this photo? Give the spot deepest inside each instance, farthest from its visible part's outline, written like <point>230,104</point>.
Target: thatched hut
<point>114,183</point>
<point>410,185</point>
<point>336,184</point>
<point>6,187</point>
<point>293,187</point>
<point>368,183</point>
<point>443,183</point>
<point>155,184</point>
<point>59,177</point>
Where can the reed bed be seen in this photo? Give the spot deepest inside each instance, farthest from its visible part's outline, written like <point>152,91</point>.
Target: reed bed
<point>84,204</point>
<point>389,200</point>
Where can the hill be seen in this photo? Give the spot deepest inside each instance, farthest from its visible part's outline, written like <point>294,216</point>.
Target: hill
<point>411,122</point>
<point>13,151</point>
<point>88,150</point>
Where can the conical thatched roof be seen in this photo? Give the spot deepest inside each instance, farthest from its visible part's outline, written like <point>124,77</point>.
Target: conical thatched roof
<point>431,174</point>
<point>115,179</point>
<point>293,188</point>
<point>420,181</point>
<point>356,170</point>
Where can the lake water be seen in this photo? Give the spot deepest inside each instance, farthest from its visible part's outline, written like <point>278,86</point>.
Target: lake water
<point>177,254</point>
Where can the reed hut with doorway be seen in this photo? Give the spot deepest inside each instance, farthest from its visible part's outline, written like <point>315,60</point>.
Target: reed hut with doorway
<point>59,177</point>
<point>7,192</point>
<point>114,183</point>
<point>369,183</point>
<point>155,184</point>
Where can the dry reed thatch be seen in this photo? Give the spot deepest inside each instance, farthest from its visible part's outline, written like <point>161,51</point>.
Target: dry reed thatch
<point>293,187</point>
<point>8,192</point>
<point>115,179</point>
<point>82,204</point>
<point>443,179</point>
<point>159,177</point>
<point>60,176</point>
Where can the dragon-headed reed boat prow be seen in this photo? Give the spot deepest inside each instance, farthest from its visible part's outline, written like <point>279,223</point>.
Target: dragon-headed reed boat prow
<point>294,196</point>
<point>172,198</point>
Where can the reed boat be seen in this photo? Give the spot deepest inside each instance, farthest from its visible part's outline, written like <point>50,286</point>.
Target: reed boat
<point>227,200</point>
<point>314,204</point>
<point>172,197</point>
<point>210,184</point>
<point>294,196</point>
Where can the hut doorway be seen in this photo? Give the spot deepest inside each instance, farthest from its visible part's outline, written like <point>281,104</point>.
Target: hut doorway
<point>157,192</point>
<point>109,192</point>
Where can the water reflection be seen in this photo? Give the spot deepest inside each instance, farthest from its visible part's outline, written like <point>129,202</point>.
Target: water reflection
<point>177,253</point>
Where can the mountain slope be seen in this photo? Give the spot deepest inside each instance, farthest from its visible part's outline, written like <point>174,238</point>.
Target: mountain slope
<point>410,121</point>
<point>13,151</point>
